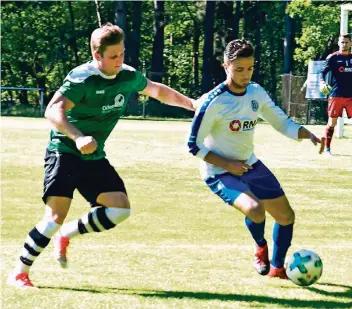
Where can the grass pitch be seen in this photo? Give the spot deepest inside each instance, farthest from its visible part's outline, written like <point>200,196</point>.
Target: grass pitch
<point>182,247</point>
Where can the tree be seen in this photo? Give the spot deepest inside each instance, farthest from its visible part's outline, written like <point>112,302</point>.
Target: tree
<point>158,43</point>
<point>320,28</point>
<point>208,50</point>
<point>73,35</point>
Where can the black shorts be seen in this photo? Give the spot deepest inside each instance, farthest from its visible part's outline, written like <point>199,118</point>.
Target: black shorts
<point>66,172</point>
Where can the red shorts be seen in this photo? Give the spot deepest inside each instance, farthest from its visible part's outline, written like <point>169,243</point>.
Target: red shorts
<point>336,106</point>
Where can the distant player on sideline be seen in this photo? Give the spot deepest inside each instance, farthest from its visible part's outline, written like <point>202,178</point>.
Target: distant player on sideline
<point>222,136</point>
<point>83,113</point>
<point>340,90</point>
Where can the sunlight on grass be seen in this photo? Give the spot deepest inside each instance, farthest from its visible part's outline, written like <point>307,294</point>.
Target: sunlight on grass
<point>182,247</point>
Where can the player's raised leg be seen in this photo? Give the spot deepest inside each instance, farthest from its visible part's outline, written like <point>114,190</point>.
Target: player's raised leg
<point>101,185</point>
<point>99,219</point>
<point>37,239</point>
<point>284,216</point>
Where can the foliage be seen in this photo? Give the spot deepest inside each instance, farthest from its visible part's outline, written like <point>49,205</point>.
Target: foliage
<point>320,27</point>
<point>39,40</point>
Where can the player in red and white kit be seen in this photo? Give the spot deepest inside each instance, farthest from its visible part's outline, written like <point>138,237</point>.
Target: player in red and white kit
<point>340,87</point>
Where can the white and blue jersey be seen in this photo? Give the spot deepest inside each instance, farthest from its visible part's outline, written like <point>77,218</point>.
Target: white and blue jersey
<point>224,124</point>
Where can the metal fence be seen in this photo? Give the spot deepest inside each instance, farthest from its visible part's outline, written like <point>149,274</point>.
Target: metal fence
<point>297,106</point>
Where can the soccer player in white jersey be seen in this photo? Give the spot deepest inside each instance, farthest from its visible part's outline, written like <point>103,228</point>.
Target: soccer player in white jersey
<point>222,136</point>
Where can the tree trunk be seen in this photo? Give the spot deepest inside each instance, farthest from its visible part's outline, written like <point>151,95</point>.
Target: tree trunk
<point>97,8</point>
<point>136,34</point>
<point>257,50</point>
<point>259,23</point>
<point>158,44</point>
<point>134,41</point>
<point>236,21</point>
<point>121,21</point>
<point>288,43</point>
<point>208,50</point>
<point>196,39</point>
<point>120,15</point>
<point>73,29</point>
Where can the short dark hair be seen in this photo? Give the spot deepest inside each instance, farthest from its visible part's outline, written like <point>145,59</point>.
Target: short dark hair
<point>345,36</point>
<point>238,48</point>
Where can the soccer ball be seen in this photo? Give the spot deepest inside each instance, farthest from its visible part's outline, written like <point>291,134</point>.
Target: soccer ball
<point>304,267</point>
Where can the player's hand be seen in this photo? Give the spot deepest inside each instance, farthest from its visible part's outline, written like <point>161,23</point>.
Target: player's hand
<point>316,140</point>
<point>322,145</point>
<point>86,144</point>
<point>324,88</point>
<point>237,167</point>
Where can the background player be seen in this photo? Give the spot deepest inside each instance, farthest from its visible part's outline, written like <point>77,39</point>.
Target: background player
<point>340,88</point>
<point>222,136</point>
<point>83,113</point>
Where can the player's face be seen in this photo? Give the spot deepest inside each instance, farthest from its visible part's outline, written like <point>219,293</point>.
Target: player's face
<point>239,73</point>
<point>111,61</point>
<point>344,45</point>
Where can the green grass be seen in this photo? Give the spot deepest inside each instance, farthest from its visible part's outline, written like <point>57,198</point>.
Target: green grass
<point>182,247</point>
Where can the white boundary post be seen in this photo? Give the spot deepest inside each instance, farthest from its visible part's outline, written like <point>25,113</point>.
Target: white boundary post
<point>343,29</point>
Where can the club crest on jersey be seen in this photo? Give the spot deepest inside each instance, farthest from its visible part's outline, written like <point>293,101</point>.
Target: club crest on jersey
<point>255,105</point>
<point>118,102</point>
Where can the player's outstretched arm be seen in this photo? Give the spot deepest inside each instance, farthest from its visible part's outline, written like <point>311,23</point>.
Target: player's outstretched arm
<point>167,95</point>
<point>303,133</point>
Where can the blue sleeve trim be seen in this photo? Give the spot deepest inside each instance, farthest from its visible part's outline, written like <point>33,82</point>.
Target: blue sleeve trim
<point>197,120</point>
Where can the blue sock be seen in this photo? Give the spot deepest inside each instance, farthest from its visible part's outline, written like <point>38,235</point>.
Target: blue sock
<point>257,231</point>
<point>282,236</point>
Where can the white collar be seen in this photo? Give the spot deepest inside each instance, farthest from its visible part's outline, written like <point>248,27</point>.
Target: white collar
<point>97,70</point>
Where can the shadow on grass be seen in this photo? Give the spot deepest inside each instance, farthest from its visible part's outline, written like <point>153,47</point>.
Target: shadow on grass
<point>284,302</point>
<point>347,293</point>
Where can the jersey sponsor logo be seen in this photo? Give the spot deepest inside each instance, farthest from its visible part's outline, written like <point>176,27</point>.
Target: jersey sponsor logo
<point>247,125</point>
<point>255,105</point>
<point>100,91</point>
<point>342,69</point>
<point>118,102</point>
<point>235,125</point>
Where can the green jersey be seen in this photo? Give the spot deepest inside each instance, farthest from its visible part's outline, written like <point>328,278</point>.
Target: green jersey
<point>99,102</point>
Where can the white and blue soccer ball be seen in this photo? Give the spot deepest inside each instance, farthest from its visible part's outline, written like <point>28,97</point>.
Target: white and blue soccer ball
<point>304,267</point>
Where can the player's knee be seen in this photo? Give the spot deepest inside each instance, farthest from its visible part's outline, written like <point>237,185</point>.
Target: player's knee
<point>256,211</point>
<point>332,122</point>
<point>57,216</point>
<point>287,218</point>
<point>114,199</point>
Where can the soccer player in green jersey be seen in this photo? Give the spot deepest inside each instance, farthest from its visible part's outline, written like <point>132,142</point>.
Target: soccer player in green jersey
<point>83,113</point>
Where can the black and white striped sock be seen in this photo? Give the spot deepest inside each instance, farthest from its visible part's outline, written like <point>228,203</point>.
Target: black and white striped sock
<point>98,219</point>
<point>37,239</point>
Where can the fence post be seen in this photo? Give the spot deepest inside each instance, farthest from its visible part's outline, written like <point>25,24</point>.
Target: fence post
<point>41,92</point>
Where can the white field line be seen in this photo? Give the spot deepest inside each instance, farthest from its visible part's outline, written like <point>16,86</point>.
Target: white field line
<point>185,246</point>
